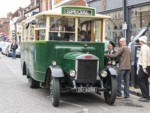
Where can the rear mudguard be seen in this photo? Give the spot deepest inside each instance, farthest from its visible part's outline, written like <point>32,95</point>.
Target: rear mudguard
<point>113,70</point>
<point>56,71</point>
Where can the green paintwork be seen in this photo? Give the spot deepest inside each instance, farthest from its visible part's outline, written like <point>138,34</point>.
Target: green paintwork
<point>38,55</point>
<point>72,55</point>
<point>69,61</point>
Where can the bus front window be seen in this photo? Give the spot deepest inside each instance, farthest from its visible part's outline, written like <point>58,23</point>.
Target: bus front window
<point>92,28</point>
<point>62,28</point>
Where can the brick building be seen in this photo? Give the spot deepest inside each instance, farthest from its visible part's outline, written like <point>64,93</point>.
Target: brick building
<point>51,4</point>
<point>4,28</point>
<point>34,7</point>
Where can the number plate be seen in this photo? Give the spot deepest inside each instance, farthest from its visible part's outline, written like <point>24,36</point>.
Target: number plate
<point>86,89</point>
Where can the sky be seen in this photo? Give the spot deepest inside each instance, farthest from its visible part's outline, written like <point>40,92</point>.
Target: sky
<point>7,6</point>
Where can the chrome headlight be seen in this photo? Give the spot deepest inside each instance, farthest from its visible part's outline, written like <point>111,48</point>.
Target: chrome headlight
<point>104,74</point>
<point>72,73</point>
<point>54,63</point>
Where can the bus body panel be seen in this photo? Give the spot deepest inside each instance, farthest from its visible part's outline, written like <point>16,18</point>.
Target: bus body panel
<point>38,55</point>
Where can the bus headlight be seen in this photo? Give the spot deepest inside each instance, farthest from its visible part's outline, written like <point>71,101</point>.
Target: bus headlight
<point>104,74</point>
<point>72,73</point>
<point>54,63</point>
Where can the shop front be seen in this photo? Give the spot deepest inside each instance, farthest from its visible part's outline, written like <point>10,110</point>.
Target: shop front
<point>135,13</point>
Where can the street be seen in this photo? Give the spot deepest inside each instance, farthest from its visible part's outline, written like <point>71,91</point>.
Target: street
<point>17,97</point>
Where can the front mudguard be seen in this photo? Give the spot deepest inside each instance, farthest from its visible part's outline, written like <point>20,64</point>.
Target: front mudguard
<point>113,70</point>
<point>56,71</point>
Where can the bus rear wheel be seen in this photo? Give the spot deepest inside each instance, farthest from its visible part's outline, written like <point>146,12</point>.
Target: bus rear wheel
<point>55,92</point>
<point>33,83</point>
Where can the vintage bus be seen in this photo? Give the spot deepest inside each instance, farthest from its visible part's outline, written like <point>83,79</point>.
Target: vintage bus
<point>63,50</point>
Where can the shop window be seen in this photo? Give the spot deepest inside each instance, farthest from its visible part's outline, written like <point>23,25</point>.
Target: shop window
<point>115,27</point>
<point>120,27</point>
<point>149,24</point>
<point>134,26</point>
<point>136,13</point>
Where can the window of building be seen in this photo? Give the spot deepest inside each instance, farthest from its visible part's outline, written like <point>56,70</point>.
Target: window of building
<point>139,18</point>
<point>114,26</point>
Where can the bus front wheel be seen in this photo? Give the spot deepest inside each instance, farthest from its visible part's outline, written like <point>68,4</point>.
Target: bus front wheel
<point>111,92</point>
<point>55,92</point>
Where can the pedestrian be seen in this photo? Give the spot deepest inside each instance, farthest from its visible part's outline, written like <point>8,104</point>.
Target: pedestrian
<point>111,50</point>
<point>14,46</point>
<point>124,65</point>
<point>144,68</point>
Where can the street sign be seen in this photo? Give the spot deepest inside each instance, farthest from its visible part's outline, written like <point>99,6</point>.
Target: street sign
<point>124,26</point>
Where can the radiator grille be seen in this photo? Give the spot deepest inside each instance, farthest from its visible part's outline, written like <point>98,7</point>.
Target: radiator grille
<point>86,71</point>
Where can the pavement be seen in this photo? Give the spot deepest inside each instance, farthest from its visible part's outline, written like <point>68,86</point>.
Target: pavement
<point>132,89</point>
<point>136,91</point>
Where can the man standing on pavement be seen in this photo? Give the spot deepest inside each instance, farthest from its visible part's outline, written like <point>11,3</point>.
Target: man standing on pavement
<point>14,46</point>
<point>144,69</point>
<point>124,66</point>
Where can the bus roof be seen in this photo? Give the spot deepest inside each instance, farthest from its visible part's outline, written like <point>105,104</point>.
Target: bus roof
<point>73,11</point>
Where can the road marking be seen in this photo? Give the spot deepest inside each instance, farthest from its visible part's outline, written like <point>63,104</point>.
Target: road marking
<point>104,108</point>
<point>73,104</point>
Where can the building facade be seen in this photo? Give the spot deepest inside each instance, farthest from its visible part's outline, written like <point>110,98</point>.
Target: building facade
<point>58,3</point>
<point>45,5</point>
<point>19,15</point>
<point>127,16</point>
<point>4,29</point>
<point>32,9</point>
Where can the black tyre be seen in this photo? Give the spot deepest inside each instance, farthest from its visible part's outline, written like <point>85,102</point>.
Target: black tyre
<point>55,92</point>
<point>33,83</point>
<point>7,54</point>
<point>24,69</point>
<point>110,94</point>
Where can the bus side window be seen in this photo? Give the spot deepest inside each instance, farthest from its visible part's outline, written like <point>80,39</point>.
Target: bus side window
<point>36,34</point>
<point>53,36</point>
<point>69,37</point>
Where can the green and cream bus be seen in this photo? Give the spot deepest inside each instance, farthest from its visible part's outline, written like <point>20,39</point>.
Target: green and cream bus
<point>63,50</point>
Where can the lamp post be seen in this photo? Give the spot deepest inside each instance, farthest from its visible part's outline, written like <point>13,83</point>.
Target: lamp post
<point>126,21</point>
<point>124,27</point>
<point>124,18</point>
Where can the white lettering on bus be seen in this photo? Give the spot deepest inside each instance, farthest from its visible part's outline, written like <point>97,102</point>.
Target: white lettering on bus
<point>77,12</point>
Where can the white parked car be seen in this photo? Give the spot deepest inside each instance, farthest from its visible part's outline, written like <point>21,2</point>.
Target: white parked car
<point>9,51</point>
<point>4,46</point>
<point>0,46</point>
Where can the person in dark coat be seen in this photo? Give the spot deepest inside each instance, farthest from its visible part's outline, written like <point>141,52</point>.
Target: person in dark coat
<point>14,46</point>
<point>109,60</point>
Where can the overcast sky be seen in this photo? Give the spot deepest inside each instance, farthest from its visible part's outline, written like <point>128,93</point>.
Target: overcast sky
<point>11,6</point>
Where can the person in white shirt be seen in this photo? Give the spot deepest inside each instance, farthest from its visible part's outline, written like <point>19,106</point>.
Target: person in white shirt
<point>144,69</point>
